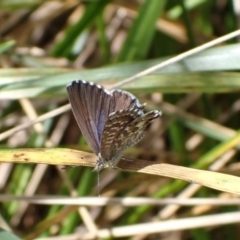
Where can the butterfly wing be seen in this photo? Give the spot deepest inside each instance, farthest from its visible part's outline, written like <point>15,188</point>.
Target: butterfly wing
<point>133,132</point>
<point>123,129</point>
<point>124,100</point>
<point>91,105</point>
<point>115,124</point>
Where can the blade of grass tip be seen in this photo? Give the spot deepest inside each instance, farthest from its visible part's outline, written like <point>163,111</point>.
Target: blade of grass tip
<point>6,46</point>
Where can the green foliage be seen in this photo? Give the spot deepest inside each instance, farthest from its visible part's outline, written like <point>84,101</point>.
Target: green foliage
<point>47,44</point>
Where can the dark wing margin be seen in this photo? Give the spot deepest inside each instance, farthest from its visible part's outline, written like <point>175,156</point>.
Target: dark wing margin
<point>91,105</point>
<point>124,100</point>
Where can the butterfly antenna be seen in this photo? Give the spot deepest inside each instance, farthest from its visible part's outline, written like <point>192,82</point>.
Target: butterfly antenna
<point>98,179</point>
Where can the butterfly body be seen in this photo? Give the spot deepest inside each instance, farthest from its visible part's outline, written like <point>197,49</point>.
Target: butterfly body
<point>110,121</point>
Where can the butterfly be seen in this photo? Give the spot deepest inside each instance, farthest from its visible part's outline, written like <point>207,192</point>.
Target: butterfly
<point>110,121</point>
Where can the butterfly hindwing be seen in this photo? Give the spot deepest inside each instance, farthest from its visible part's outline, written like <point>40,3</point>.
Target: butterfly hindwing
<point>116,123</point>
<point>123,129</point>
<point>133,132</point>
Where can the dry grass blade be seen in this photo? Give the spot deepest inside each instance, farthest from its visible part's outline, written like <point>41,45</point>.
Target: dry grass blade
<point>219,181</point>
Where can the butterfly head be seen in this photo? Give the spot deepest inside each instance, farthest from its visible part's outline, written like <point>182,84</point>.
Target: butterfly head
<point>104,163</point>
<point>100,164</point>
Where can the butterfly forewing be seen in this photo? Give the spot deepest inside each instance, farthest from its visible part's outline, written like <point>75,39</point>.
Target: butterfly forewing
<point>90,105</point>
<point>98,104</point>
<point>124,100</point>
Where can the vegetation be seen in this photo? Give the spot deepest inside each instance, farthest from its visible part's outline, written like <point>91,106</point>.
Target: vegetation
<point>46,44</point>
